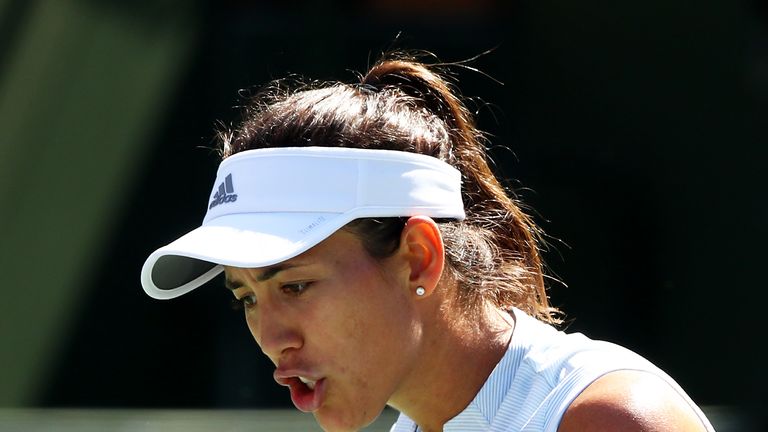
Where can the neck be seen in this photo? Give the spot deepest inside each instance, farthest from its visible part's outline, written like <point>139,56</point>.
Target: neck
<point>458,354</point>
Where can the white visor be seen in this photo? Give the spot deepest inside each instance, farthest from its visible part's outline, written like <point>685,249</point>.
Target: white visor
<point>270,205</point>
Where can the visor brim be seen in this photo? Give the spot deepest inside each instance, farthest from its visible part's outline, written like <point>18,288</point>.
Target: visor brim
<point>237,240</point>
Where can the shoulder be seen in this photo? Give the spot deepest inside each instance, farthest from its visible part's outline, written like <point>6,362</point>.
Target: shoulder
<point>630,401</point>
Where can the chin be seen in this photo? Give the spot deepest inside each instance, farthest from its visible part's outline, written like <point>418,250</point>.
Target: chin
<point>346,421</point>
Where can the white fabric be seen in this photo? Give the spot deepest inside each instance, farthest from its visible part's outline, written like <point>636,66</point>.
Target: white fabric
<point>542,372</point>
<point>269,205</point>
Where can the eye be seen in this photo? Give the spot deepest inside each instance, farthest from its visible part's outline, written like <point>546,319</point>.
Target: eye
<point>296,288</point>
<point>245,302</point>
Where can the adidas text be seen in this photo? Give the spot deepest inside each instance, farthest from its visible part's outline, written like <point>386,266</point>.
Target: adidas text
<point>225,193</point>
<point>223,199</point>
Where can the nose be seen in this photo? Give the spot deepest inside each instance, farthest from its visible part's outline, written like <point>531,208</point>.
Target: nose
<point>274,330</point>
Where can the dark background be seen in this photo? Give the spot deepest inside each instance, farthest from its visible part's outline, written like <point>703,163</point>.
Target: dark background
<point>635,129</point>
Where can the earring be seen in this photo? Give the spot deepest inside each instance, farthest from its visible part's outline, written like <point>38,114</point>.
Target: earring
<point>420,291</point>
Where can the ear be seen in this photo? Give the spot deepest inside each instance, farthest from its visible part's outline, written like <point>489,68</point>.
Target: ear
<point>423,248</point>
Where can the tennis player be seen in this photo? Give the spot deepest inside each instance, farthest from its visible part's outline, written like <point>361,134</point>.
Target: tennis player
<point>380,262</point>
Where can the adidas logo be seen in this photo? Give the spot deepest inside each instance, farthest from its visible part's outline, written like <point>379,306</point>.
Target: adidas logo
<point>225,194</point>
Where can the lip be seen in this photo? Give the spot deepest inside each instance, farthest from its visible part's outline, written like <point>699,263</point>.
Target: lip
<point>304,398</point>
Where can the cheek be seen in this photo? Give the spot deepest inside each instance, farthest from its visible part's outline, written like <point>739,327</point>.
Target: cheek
<point>364,336</point>
<point>253,327</point>
<point>251,322</point>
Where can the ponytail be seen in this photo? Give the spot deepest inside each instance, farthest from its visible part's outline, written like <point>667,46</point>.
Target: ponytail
<point>496,248</point>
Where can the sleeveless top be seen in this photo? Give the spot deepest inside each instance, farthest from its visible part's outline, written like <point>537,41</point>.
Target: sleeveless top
<point>541,373</point>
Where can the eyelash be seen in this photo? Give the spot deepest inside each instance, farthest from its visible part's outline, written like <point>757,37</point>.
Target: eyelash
<point>248,301</point>
<point>239,304</point>
<point>296,288</point>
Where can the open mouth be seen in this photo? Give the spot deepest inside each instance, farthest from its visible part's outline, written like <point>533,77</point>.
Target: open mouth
<point>306,394</point>
<point>308,382</point>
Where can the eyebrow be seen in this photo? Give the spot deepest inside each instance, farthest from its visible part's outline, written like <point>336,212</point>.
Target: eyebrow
<point>265,275</point>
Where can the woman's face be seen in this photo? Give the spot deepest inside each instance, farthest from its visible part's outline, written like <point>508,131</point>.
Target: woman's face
<point>339,326</point>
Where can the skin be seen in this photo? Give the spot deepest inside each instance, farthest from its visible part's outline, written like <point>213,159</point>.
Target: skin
<point>339,315</point>
<point>335,313</point>
<point>630,401</point>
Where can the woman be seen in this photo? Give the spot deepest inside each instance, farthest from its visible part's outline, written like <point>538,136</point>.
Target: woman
<point>380,262</point>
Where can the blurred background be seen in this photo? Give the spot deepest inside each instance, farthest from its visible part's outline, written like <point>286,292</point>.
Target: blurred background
<point>635,129</point>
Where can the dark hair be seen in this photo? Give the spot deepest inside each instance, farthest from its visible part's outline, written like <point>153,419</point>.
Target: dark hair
<point>402,104</point>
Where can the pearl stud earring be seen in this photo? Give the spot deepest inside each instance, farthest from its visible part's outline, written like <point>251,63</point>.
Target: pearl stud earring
<point>420,291</point>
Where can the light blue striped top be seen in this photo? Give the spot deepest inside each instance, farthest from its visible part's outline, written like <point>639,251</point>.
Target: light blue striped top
<point>542,372</point>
